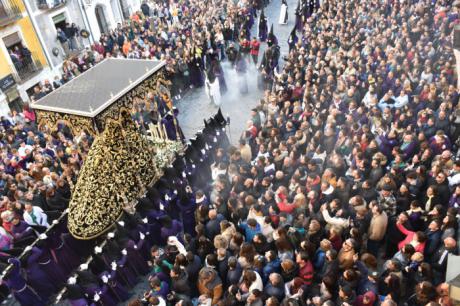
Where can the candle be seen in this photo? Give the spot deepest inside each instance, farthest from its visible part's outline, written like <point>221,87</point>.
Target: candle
<point>158,131</point>
<point>165,134</point>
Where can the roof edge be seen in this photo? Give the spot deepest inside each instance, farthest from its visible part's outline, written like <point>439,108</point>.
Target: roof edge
<point>101,108</point>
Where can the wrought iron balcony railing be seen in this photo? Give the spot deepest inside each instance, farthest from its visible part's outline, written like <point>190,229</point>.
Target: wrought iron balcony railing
<point>50,4</point>
<point>9,12</point>
<point>27,67</point>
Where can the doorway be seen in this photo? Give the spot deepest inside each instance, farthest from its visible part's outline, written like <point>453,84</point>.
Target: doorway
<point>101,19</point>
<point>60,22</point>
<point>20,55</point>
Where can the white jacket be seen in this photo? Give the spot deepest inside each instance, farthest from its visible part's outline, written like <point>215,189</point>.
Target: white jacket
<point>40,217</point>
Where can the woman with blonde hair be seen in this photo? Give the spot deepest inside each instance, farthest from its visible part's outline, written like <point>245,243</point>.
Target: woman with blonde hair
<point>220,242</point>
<point>227,229</point>
<point>300,202</point>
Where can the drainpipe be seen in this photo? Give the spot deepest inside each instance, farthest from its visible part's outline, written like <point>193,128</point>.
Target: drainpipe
<point>81,6</point>
<point>40,38</point>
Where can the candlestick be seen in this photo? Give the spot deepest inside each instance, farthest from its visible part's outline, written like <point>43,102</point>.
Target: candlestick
<point>153,128</point>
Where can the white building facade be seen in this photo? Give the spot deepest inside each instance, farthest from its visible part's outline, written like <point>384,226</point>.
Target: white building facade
<point>93,16</point>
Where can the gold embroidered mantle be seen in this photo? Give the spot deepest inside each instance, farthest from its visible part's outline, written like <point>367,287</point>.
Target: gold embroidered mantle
<point>118,163</point>
<point>121,162</point>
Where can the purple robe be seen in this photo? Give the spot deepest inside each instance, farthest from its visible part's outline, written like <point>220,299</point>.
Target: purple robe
<point>174,230</point>
<point>298,22</point>
<point>387,145</point>
<point>168,122</point>
<point>37,278</point>
<point>188,215</point>
<point>125,274</point>
<point>24,294</point>
<point>196,72</point>
<point>171,205</point>
<point>219,73</point>
<point>79,302</point>
<point>103,292</point>
<point>263,29</point>
<point>154,226</point>
<point>22,230</point>
<point>117,290</point>
<point>75,296</point>
<point>52,269</point>
<point>107,296</point>
<point>135,260</point>
<point>66,257</point>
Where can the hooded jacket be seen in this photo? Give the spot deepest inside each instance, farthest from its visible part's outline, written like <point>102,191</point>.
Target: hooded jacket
<point>370,297</point>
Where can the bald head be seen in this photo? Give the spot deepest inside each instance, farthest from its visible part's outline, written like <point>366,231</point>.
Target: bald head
<point>212,214</point>
<point>275,278</point>
<point>388,303</point>
<point>450,243</point>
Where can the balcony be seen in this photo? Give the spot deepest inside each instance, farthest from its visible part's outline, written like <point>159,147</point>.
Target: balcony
<point>9,12</point>
<point>27,68</point>
<point>50,4</point>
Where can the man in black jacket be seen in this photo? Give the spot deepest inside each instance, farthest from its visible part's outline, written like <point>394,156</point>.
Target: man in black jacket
<point>433,234</point>
<point>275,286</point>
<point>145,9</point>
<point>439,259</point>
<point>180,284</point>
<point>231,53</point>
<point>331,267</point>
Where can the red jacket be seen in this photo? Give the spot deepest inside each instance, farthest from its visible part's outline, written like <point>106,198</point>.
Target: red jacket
<point>255,45</point>
<point>409,236</point>
<point>283,205</point>
<point>306,273</point>
<point>253,131</point>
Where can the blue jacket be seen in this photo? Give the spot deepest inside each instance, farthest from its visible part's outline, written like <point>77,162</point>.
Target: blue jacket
<point>364,284</point>
<point>320,259</point>
<point>249,232</point>
<point>273,266</point>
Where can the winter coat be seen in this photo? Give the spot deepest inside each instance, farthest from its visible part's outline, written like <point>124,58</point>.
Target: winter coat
<point>212,288</point>
<point>181,285</point>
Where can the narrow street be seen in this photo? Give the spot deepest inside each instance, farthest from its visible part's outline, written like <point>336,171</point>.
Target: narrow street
<point>195,106</point>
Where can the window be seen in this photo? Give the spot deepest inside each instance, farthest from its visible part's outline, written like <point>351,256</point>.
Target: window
<point>12,40</point>
<point>59,21</point>
<point>24,61</point>
<point>14,45</point>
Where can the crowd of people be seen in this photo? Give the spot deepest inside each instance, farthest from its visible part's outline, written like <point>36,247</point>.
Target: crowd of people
<point>104,270</point>
<point>38,169</point>
<point>344,188</point>
<point>192,37</point>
